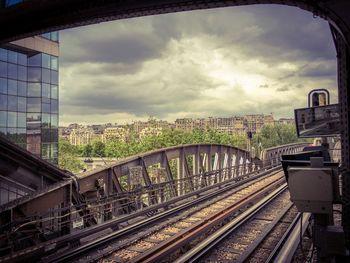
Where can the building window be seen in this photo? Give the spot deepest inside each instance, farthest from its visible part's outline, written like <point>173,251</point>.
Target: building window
<point>33,104</point>
<point>54,92</point>
<point>3,118</point>
<point>22,88</point>
<point>34,90</point>
<point>12,103</point>
<point>46,77</point>
<point>21,120</point>
<point>3,85</point>
<point>12,57</point>
<point>12,2</point>
<point>22,104</point>
<point>28,97</point>
<point>34,74</point>
<point>11,119</point>
<point>3,102</point>
<point>3,54</point>
<point>54,77</point>
<point>3,69</point>
<point>54,63</point>
<point>22,73</point>
<point>12,87</point>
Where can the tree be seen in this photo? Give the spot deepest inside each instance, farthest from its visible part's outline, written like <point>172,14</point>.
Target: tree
<point>68,158</point>
<point>87,150</point>
<point>98,149</point>
<point>274,135</point>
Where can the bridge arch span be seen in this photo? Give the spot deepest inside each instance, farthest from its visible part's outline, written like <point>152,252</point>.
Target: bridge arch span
<point>178,163</point>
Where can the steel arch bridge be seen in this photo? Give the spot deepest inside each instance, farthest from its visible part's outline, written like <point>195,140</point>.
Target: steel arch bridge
<point>41,16</point>
<point>140,184</point>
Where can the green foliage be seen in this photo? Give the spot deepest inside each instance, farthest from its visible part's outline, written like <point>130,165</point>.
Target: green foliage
<point>87,150</point>
<point>274,135</point>
<point>68,157</point>
<point>270,136</point>
<point>98,148</point>
<point>168,138</point>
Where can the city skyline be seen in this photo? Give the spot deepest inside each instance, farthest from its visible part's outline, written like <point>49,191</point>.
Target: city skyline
<point>148,118</point>
<point>218,62</point>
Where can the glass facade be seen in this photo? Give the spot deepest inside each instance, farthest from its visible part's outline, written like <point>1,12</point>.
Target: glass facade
<point>7,3</point>
<point>29,101</point>
<point>53,36</point>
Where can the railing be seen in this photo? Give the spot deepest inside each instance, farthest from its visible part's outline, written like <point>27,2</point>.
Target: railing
<point>274,154</point>
<point>141,199</point>
<point>132,201</point>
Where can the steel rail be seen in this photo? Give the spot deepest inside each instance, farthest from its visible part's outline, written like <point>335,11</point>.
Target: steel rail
<point>252,247</point>
<point>290,240</point>
<point>177,241</point>
<point>45,247</point>
<point>200,250</point>
<point>74,253</point>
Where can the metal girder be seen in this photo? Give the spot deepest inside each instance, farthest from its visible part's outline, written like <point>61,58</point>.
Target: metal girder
<point>274,154</point>
<point>47,15</point>
<point>87,180</point>
<point>53,209</point>
<point>343,56</point>
<point>27,169</point>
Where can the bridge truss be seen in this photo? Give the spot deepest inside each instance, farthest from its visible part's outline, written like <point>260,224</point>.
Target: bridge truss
<point>144,184</point>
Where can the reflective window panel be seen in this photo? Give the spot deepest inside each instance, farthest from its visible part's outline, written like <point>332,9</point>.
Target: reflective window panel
<point>12,71</point>
<point>12,103</point>
<point>34,74</point>
<point>33,104</point>
<point>12,87</point>
<point>3,102</point>
<point>11,119</point>
<point>34,90</point>
<point>3,118</point>
<point>22,88</point>
<point>3,69</point>
<point>3,54</point>
<point>35,60</point>
<point>3,85</point>
<point>22,104</point>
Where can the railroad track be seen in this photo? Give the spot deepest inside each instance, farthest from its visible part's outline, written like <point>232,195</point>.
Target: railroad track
<point>172,237</point>
<point>113,248</point>
<point>257,235</point>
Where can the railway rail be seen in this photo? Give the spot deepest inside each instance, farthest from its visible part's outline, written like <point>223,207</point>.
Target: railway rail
<point>260,234</point>
<point>153,242</point>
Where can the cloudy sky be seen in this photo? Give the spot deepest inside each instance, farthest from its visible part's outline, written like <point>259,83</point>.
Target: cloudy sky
<point>220,62</point>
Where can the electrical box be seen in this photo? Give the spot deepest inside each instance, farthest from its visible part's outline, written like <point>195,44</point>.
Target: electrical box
<point>311,189</point>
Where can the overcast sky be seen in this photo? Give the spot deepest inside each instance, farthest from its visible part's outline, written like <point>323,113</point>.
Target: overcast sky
<point>219,62</point>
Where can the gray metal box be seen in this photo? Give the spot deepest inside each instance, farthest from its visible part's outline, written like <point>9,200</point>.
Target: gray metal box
<point>311,189</point>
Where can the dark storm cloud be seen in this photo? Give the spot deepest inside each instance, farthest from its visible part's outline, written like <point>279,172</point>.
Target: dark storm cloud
<point>319,70</point>
<point>121,42</point>
<point>123,50</point>
<point>114,69</point>
<point>292,33</point>
<point>135,96</point>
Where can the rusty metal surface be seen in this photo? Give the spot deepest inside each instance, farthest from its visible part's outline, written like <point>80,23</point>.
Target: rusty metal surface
<point>194,225</point>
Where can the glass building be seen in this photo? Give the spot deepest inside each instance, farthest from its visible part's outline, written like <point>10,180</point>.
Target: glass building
<point>29,94</point>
